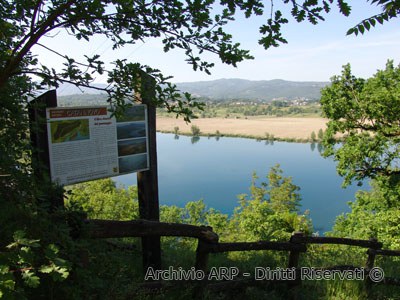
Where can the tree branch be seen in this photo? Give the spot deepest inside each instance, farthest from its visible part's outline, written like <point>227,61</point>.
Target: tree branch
<point>65,57</point>
<point>149,26</point>
<point>33,39</point>
<point>56,78</point>
<point>35,12</point>
<point>374,128</point>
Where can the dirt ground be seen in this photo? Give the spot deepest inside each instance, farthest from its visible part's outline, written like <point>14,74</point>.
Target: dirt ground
<point>298,128</point>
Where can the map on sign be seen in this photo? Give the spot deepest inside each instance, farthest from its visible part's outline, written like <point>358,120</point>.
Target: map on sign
<point>87,143</point>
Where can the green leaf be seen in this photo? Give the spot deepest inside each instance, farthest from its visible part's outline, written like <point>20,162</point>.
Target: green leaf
<point>4,269</point>
<point>345,9</point>
<point>21,240</point>
<point>367,25</point>
<point>361,28</point>
<point>350,31</point>
<point>46,269</point>
<point>372,22</point>
<point>8,284</point>
<point>30,279</point>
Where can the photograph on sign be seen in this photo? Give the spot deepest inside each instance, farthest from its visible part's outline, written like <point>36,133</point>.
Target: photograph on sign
<point>133,114</point>
<point>87,143</point>
<point>132,146</point>
<point>132,134</point>
<point>130,163</point>
<point>69,130</point>
<point>131,130</point>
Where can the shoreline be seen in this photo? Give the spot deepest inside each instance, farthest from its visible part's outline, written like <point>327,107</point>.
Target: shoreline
<point>271,139</point>
<point>287,129</point>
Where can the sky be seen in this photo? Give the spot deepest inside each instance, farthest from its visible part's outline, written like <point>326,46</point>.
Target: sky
<point>313,52</point>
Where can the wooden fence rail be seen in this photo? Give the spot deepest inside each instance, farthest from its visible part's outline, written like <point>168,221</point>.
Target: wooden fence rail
<point>374,244</point>
<point>263,245</point>
<point>208,243</point>
<point>142,228</point>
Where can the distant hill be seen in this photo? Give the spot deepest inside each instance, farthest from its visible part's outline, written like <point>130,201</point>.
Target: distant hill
<point>221,89</point>
<point>267,90</point>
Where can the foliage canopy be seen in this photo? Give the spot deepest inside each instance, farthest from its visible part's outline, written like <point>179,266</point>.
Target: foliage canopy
<point>366,114</point>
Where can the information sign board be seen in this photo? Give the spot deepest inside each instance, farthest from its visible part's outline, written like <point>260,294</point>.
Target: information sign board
<point>87,143</point>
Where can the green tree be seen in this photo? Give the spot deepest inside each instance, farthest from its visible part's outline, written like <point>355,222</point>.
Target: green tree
<point>195,130</point>
<point>271,211</point>
<point>313,136</point>
<point>365,114</point>
<point>320,134</point>
<point>283,194</point>
<point>171,214</point>
<point>374,214</point>
<point>101,199</point>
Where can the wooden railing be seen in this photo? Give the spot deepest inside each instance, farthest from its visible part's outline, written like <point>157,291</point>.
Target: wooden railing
<point>208,244</point>
<point>141,228</point>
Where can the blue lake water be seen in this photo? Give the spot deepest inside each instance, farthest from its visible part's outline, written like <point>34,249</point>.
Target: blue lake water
<point>219,170</point>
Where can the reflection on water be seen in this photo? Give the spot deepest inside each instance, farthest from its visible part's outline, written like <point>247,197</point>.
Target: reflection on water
<point>194,139</point>
<point>217,170</point>
<point>269,142</point>
<point>319,146</point>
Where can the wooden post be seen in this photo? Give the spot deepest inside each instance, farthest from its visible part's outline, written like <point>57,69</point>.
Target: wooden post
<point>147,181</point>
<point>202,255</point>
<point>368,266</point>
<point>294,263</point>
<point>201,264</point>
<point>40,145</point>
<point>294,255</point>
<point>371,259</point>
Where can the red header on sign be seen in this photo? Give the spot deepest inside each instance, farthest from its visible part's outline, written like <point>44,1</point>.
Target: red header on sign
<point>77,112</point>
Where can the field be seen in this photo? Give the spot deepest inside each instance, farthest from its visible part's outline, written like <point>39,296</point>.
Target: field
<point>280,127</point>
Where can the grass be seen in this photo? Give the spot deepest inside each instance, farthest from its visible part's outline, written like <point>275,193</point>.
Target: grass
<point>119,273</point>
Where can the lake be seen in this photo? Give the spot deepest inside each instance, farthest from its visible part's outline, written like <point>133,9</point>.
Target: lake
<point>219,170</point>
